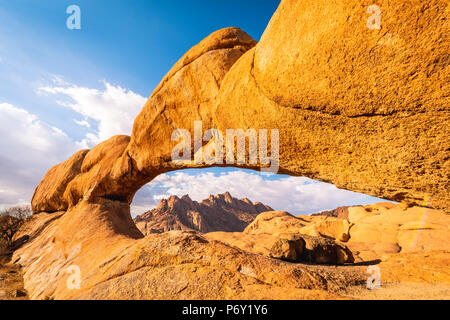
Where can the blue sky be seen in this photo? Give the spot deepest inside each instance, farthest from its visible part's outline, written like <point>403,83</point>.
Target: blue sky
<point>62,90</point>
<point>129,43</point>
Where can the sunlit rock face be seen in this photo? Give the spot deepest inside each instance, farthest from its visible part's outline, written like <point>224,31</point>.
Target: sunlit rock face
<point>363,109</point>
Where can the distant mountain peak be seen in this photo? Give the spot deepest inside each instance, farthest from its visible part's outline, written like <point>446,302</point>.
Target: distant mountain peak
<point>221,212</point>
<point>186,197</point>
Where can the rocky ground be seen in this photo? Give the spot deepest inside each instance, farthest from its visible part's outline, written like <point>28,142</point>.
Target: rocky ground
<point>410,246</point>
<point>116,262</point>
<point>11,282</point>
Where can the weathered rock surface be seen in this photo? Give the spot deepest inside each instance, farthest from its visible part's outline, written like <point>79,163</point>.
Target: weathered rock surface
<point>322,250</point>
<point>304,248</point>
<point>279,223</point>
<point>301,238</point>
<point>373,231</point>
<point>383,229</point>
<point>287,250</point>
<point>341,212</point>
<point>117,262</point>
<point>259,244</point>
<point>364,109</point>
<point>275,223</point>
<point>217,213</point>
<point>48,196</point>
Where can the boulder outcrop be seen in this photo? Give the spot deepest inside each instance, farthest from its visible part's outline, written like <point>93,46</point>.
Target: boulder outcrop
<point>372,231</point>
<point>321,250</point>
<point>287,250</point>
<point>280,223</point>
<point>49,195</point>
<point>341,212</point>
<point>386,229</point>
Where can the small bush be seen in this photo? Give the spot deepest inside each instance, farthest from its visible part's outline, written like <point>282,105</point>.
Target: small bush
<point>10,221</point>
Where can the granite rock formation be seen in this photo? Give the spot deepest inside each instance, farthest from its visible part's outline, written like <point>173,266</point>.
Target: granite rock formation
<point>366,110</point>
<point>370,233</point>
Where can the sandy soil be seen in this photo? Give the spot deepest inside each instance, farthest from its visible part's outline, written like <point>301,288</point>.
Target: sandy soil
<point>403,291</point>
<point>11,283</point>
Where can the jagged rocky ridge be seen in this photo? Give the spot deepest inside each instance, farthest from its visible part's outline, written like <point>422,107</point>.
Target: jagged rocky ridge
<point>217,213</point>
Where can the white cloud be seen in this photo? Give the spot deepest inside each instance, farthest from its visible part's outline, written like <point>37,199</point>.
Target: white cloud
<point>82,123</point>
<point>297,195</point>
<point>29,148</point>
<point>113,109</point>
<point>59,80</point>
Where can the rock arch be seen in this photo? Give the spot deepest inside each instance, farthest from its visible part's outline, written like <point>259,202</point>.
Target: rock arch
<point>364,109</point>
